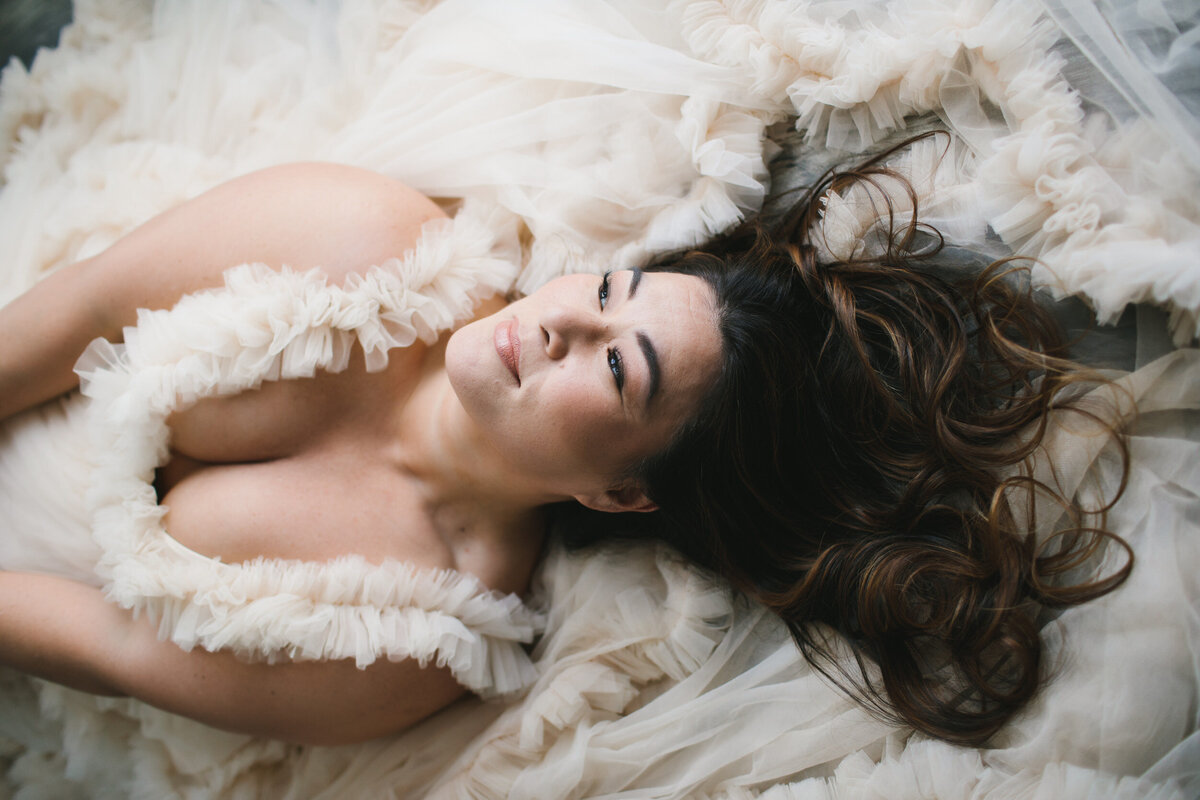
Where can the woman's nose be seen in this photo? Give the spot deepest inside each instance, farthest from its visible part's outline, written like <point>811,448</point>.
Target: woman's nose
<point>565,326</point>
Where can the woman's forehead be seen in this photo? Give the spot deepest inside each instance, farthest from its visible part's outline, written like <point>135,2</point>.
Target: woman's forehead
<point>677,315</point>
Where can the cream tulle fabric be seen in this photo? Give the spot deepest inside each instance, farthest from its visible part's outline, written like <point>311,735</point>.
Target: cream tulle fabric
<point>588,135</point>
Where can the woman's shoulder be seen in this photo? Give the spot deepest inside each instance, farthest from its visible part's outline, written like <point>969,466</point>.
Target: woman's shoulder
<point>362,193</point>
<point>317,214</point>
<point>337,218</point>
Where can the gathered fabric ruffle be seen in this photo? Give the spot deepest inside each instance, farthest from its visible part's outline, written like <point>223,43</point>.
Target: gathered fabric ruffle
<point>1102,199</point>
<point>621,622</point>
<point>915,769</point>
<point>266,325</point>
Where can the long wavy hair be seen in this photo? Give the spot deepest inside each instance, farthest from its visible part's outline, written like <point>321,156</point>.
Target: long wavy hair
<point>857,467</point>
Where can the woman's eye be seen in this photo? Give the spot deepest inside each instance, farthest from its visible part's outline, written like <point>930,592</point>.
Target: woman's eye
<point>603,293</point>
<point>618,368</point>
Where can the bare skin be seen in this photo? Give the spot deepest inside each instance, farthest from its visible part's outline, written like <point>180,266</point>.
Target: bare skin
<point>385,465</point>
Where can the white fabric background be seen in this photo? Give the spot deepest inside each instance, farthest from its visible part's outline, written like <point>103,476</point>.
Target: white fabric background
<point>610,130</point>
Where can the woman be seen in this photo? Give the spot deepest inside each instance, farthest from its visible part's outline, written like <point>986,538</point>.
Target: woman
<point>853,416</point>
<point>464,442</point>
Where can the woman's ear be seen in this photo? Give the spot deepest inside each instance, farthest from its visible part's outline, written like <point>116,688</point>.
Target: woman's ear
<point>626,497</point>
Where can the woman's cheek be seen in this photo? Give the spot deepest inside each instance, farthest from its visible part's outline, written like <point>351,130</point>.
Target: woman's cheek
<point>582,419</point>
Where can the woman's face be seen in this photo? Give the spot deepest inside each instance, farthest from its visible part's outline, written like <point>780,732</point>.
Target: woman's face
<point>580,380</point>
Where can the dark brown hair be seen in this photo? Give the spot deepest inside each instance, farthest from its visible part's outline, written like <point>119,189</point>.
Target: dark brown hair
<point>847,468</point>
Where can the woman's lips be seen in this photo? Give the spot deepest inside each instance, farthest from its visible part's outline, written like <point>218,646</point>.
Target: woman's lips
<point>508,346</point>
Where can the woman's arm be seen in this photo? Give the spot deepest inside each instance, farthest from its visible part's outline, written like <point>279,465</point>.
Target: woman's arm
<point>339,218</point>
<point>67,633</point>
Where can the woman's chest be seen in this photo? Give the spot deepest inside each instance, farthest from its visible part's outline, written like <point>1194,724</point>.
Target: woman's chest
<point>300,469</point>
<point>326,502</point>
<point>283,419</point>
<point>310,470</point>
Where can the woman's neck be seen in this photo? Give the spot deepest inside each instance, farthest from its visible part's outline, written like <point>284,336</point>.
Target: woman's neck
<point>466,483</point>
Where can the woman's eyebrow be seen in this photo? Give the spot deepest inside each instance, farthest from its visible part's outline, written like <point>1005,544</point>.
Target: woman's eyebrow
<point>652,362</point>
<point>647,346</point>
<point>633,283</point>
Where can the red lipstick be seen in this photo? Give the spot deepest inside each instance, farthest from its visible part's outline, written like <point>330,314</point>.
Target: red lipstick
<point>508,347</point>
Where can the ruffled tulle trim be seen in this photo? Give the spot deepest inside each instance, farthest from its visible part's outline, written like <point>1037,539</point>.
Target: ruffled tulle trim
<point>720,149</point>
<point>854,223</point>
<point>620,622</point>
<point>921,768</point>
<point>851,73</point>
<point>1050,182</point>
<point>270,325</point>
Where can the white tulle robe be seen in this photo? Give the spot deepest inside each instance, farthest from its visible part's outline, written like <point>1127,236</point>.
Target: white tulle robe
<point>589,135</point>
